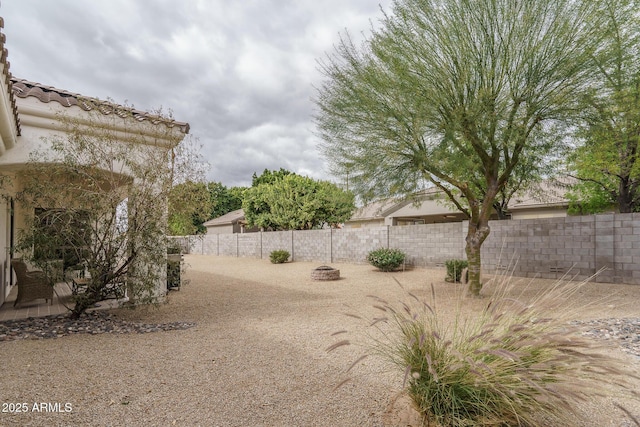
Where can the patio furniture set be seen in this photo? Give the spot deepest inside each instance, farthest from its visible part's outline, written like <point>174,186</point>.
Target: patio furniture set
<point>36,284</point>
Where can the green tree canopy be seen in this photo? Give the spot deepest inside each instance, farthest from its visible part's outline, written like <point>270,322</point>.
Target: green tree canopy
<point>189,207</point>
<point>269,176</point>
<point>294,202</point>
<point>223,199</point>
<point>607,163</point>
<point>456,93</point>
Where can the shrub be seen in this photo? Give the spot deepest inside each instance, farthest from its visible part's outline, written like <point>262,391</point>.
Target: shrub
<point>279,256</point>
<point>454,269</point>
<point>510,363</point>
<point>386,259</point>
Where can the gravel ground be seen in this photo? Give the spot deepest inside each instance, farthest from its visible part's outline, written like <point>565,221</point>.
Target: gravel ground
<point>243,344</point>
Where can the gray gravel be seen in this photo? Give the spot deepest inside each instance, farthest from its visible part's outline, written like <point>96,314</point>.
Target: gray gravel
<point>96,322</point>
<point>244,345</point>
<point>622,332</point>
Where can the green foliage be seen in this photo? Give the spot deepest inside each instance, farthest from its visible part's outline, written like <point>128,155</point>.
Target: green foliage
<point>269,177</point>
<point>174,278</point>
<point>588,198</point>
<point>606,163</point>
<point>456,94</point>
<point>223,199</point>
<point>294,202</point>
<point>279,256</point>
<point>454,269</point>
<point>386,259</point>
<point>189,208</point>
<point>510,363</point>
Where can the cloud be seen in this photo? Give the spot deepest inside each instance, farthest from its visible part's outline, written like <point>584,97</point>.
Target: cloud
<point>241,73</point>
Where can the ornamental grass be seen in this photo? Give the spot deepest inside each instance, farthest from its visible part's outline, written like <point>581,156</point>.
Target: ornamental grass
<point>512,363</point>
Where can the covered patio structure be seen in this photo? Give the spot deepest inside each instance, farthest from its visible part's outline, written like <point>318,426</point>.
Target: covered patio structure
<point>31,116</point>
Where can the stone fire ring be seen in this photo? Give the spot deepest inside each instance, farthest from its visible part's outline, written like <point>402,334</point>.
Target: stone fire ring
<point>324,272</point>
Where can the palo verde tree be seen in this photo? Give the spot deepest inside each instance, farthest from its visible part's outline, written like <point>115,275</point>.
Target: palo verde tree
<point>455,93</point>
<point>607,162</point>
<point>95,196</point>
<point>294,202</point>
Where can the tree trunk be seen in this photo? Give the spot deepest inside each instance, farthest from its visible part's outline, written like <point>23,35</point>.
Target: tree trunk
<point>625,198</point>
<point>476,235</point>
<point>83,301</point>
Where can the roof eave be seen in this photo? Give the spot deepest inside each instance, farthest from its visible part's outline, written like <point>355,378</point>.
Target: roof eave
<point>24,88</point>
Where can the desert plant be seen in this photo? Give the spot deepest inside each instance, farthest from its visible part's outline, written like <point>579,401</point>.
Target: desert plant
<point>454,269</point>
<point>386,259</point>
<point>279,256</point>
<point>513,363</point>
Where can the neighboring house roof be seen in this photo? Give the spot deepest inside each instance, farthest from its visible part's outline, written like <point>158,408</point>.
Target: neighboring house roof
<point>373,211</point>
<point>424,208</point>
<point>383,208</point>
<point>547,194</point>
<point>232,217</point>
<point>24,89</point>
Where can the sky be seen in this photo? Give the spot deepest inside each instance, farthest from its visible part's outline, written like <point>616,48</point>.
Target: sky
<point>243,74</point>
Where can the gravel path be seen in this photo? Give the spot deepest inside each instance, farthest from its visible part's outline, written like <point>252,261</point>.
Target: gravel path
<point>243,344</point>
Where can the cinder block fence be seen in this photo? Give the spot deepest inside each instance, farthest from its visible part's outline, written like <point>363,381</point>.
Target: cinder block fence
<point>576,246</point>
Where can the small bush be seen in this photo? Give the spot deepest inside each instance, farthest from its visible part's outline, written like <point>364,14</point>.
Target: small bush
<point>279,256</point>
<point>386,259</point>
<point>454,269</point>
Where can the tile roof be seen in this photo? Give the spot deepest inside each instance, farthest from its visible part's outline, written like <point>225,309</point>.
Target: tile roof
<point>24,88</point>
<point>6,75</point>
<point>228,218</point>
<point>548,193</point>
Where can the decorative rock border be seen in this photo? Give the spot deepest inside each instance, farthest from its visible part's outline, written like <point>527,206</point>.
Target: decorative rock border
<point>324,272</point>
<point>92,323</point>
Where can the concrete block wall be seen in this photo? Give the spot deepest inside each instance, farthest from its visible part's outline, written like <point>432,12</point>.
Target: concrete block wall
<point>353,244</point>
<point>249,245</point>
<point>580,247</point>
<point>604,247</point>
<point>276,241</point>
<point>549,248</point>
<point>312,245</point>
<point>627,248</point>
<point>209,244</point>
<point>429,245</point>
<point>228,244</point>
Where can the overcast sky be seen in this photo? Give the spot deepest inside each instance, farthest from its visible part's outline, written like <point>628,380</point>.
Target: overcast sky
<point>240,72</point>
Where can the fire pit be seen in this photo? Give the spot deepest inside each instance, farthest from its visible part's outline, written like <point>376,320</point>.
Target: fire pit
<point>324,272</point>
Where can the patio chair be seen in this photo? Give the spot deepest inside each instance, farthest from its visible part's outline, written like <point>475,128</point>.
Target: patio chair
<point>32,285</point>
